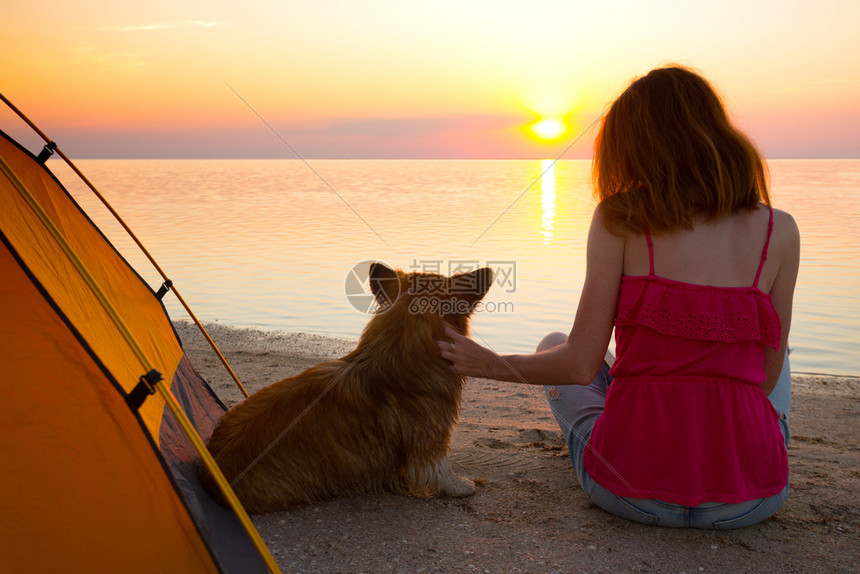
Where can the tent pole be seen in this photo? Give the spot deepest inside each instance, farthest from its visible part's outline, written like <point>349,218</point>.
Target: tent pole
<point>225,487</point>
<point>169,399</point>
<point>133,237</point>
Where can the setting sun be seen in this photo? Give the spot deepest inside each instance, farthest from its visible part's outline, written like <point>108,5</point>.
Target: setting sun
<point>372,80</point>
<point>549,128</point>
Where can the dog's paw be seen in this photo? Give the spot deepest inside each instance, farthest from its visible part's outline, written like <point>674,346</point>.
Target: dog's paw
<point>459,488</point>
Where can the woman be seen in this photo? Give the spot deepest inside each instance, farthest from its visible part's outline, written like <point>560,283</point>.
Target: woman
<point>695,271</point>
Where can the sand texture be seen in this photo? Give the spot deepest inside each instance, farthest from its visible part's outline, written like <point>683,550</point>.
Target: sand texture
<point>529,514</point>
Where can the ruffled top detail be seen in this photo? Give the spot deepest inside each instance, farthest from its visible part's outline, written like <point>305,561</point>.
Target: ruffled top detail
<point>685,419</point>
<point>706,313</point>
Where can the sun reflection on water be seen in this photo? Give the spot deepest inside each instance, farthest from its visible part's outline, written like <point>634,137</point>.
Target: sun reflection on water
<point>547,199</point>
<point>263,243</point>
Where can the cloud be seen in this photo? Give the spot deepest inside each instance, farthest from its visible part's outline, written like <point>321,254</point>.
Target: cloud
<point>138,28</point>
<point>113,60</point>
<point>162,26</point>
<point>203,23</point>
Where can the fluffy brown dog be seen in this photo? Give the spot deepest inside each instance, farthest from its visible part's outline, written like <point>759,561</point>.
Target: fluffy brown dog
<point>378,419</point>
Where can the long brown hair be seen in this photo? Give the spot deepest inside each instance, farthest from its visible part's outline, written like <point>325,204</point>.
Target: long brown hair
<point>667,151</point>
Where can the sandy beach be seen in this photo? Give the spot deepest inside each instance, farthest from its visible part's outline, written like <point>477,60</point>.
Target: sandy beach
<point>529,514</point>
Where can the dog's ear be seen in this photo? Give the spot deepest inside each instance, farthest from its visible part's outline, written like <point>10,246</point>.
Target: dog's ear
<point>384,284</point>
<point>472,286</point>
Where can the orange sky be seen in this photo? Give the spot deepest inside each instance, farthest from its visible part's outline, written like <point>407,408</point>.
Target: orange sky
<point>414,79</point>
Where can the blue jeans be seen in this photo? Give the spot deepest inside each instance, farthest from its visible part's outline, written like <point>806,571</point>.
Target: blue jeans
<point>577,407</point>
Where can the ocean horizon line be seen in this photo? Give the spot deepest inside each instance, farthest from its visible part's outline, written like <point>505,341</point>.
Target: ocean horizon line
<point>274,158</point>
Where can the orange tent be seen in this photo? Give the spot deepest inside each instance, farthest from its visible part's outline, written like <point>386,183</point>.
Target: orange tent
<point>98,474</point>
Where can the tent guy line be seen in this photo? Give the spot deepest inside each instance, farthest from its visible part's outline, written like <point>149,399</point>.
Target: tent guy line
<point>67,289</point>
<point>168,285</point>
<point>542,397</point>
<point>538,178</point>
<point>295,421</point>
<point>292,149</point>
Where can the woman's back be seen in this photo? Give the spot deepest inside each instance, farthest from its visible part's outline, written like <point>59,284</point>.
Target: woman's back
<point>725,252</point>
<point>676,267</point>
<point>690,341</point>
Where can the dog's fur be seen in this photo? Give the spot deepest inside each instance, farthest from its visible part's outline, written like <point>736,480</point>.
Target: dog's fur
<point>378,419</point>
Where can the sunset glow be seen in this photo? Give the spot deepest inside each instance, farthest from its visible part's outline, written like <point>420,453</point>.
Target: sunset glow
<point>549,128</point>
<point>394,79</point>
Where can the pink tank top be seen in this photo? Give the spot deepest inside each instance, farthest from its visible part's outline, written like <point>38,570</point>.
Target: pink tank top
<point>685,419</point>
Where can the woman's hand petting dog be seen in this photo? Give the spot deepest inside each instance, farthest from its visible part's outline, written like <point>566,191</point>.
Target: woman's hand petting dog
<point>466,356</point>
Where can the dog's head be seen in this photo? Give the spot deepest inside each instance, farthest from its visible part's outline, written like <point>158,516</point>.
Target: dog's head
<point>399,341</point>
<point>428,297</point>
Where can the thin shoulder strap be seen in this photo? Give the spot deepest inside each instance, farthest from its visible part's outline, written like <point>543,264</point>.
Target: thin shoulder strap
<point>651,252</point>
<point>764,251</point>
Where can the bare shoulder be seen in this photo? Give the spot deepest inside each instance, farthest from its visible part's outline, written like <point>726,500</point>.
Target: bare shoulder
<point>784,220</point>
<point>605,251</point>
<point>602,228</point>
<point>785,231</point>
<point>785,250</point>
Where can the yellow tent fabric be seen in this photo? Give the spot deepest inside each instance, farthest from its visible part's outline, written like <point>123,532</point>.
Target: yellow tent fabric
<point>141,312</point>
<point>76,462</point>
<point>89,480</point>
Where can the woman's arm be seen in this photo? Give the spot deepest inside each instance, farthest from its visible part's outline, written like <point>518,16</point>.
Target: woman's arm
<point>785,250</point>
<point>578,360</point>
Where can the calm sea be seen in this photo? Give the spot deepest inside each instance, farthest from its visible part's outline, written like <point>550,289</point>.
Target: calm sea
<point>268,244</point>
